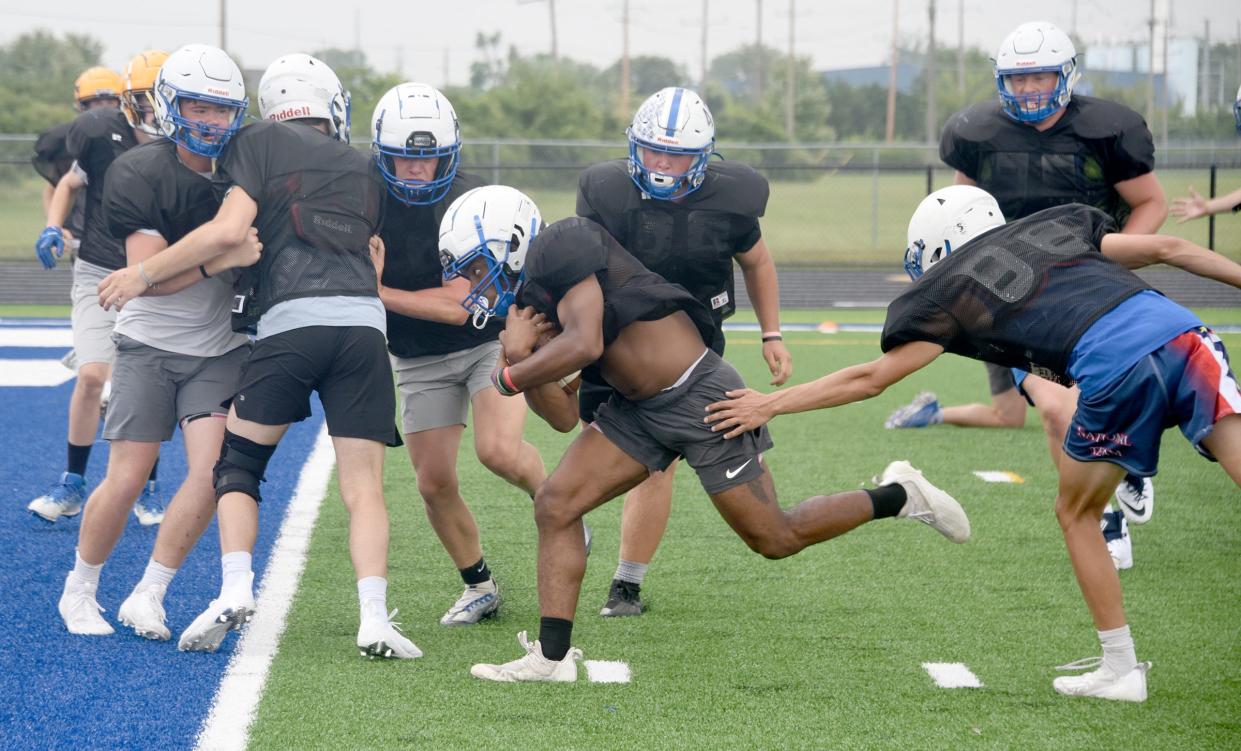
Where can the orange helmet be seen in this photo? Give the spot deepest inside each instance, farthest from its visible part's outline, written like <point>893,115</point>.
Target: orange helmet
<point>136,99</point>
<point>96,83</point>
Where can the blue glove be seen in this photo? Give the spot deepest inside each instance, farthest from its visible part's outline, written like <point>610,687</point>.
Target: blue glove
<point>51,239</point>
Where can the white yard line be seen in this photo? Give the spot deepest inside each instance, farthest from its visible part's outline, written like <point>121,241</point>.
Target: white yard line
<point>227,726</point>
<point>607,671</point>
<point>36,337</point>
<point>951,675</point>
<point>33,373</point>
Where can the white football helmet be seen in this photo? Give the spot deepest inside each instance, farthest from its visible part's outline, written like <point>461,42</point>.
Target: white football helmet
<point>675,121</point>
<point>299,86</point>
<point>946,220</point>
<point>200,73</point>
<point>1036,47</point>
<point>416,121</point>
<point>494,223</point>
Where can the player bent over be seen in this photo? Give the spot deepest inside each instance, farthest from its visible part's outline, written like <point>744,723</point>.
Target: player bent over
<point>647,339</point>
<point>316,203</point>
<point>1052,294</point>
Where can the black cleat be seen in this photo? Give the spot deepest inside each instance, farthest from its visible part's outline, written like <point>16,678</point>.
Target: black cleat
<point>624,599</point>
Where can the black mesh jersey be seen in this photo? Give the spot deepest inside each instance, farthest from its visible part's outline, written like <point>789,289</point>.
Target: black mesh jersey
<point>149,188</point>
<point>1020,295</point>
<point>51,160</point>
<point>573,249</point>
<point>690,242</point>
<point>319,202</point>
<point>1094,145</point>
<point>412,262</point>
<point>95,139</point>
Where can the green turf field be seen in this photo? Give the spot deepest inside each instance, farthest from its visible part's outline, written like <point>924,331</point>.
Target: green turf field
<point>822,650</point>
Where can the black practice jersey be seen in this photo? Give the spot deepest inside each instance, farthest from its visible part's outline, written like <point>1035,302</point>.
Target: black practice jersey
<point>149,188</point>
<point>95,139</point>
<point>51,160</point>
<point>319,201</point>
<point>1093,146</point>
<point>690,242</point>
<point>1020,295</point>
<point>412,262</point>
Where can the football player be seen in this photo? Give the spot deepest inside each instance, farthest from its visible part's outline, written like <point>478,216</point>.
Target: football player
<point>1195,205</point>
<point>316,203</point>
<point>1035,146</point>
<point>442,367</point>
<point>177,358</point>
<point>1052,294</point>
<point>94,139</point>
<point>600,311</point>
<point>687,218</point>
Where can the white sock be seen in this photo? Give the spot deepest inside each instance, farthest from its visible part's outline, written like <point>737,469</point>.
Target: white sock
<point>1118,653</point>
<point>628,571</point>
<point>156,575</point>
<point>84,573</point>
<point>373,597</point>
<point>237,570</point>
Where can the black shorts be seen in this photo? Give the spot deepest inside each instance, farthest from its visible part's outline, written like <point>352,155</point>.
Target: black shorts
<point>656,431</point>
<point>347,365</point>
<point>1000,378</point>
<point>593,395</point>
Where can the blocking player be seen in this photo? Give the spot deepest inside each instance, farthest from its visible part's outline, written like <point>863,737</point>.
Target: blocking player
<point>178,360</point>
<point>442,366</point>
<point>686,218</point>
<point>94,139</point>
<point>647,338</point>
<point>1195,205</point>
<point>1035,146</point>
<point>1052,294</point>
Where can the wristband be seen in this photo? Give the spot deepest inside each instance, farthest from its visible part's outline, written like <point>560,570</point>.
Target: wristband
<point>142,273</point>
<point>503,382</point>
<point>202,269</point>
<point>772,336</point>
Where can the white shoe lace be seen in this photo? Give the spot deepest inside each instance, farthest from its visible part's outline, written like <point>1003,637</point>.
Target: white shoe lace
<point>1086,663</point>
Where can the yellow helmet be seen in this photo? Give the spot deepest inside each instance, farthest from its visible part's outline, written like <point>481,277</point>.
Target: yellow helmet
<point>136,99</point>
<point>96,83</point>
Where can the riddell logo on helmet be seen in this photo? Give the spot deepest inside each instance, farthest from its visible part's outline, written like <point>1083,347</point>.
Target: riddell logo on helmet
<point>289,113</point>
<point>217,92</point>
<point>665,139</point>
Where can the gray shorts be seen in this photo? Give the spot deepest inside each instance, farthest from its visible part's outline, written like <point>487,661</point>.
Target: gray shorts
<point>656,431</point>
<point>436,389</point>
<point>92,325</point>
<point>1000,377</point>
<point>153,389</point>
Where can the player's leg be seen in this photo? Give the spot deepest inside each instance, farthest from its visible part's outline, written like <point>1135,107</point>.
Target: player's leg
<point>499,425</point>
<point>1006,410</point>
<point>644,519</point>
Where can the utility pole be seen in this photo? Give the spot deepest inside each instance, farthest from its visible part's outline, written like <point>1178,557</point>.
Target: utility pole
<point>551,12</point>
<point>760,78</point>
<point>961,46</point>
<point>1150,70</point>
<point>447,66</point>
<point>625,112</point>
<point>1204,76</point>
<point>932,74</point>
<point>790,89</point>
<point>702,85</point>
<point>224,25</point>
<point>357,30</point>
<point>1163,85</point>
<point>890,128</point>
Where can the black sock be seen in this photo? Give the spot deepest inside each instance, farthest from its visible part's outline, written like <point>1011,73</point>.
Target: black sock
<point>887,500</point>
<point>476,574</point>
<point>78,457</point>
<point>554,636</point>
<point>154,471</point>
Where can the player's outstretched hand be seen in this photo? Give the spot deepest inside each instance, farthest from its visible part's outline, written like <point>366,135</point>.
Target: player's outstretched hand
<point>743,411</point>
<point>1189,208</point>
<point>522,329</point>
<point>50,246</point>
<point>779,362</point>
<point>120,287</point>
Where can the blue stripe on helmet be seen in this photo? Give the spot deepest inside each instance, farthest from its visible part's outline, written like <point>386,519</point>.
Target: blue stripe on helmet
<point>671,130</point>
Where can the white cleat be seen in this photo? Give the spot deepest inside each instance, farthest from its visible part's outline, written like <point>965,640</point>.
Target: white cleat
<point>1136,497</point>
<point>927,503</point>
<point>1119,543</point>
<point>143,611</point>
<point>533,667</point>
<point>227,613</point>
<point>476,603</point>
<point>1103,683</point>
<point>380,637</point>
<point>80,611</point>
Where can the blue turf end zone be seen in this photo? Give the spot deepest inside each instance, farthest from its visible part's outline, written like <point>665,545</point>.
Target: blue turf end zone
<point>120,691</point>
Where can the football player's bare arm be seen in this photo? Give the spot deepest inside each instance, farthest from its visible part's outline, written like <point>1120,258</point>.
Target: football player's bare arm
<point>441,304</point>
<point>747,409</point>
<point>141,246</point>
<point>763,288</point>
<point>62,198</point>
<point>1195,205</point>
<point>1136,251</point>
<point>579,344</point>
<point>1148,204</point>
<point>49,190</point>
<point>228,230</point>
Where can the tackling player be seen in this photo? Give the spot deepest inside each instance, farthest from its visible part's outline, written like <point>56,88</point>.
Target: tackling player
<point>1052,294</point>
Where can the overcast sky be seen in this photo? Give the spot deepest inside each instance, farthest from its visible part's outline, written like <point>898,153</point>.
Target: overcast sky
<point>430,40</point>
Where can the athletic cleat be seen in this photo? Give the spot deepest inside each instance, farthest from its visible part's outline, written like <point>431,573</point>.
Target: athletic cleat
<point>1103,683</point>
<point>149,509</point>
<point>1119,544</point>
<point>65,498</point>
<point>477,602</point>
<point>227,613</point>
<point>624,599</point>
<point>1136,497</point>
<point>927,503</point>
<point>533,667</point>
<point>588,534</point>
<point>143,611</point>
<point>80,611</point>
<point>924,410</point>
<point>382,638</point>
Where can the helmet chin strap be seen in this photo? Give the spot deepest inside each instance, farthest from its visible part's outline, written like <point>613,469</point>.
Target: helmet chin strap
<point>481,314</point>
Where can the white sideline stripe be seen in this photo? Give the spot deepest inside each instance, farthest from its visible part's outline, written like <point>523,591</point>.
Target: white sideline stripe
<point>36,337</point>
<point>1000,475</point>
<point>951,675</point>
<point>33,373</point>
<point>607,671</point>
<point>227,726</point>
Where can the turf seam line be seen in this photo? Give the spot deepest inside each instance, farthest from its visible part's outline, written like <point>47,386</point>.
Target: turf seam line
<point>232,710</point>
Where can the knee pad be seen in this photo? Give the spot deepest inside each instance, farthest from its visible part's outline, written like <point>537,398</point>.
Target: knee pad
<point>241,466</point>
